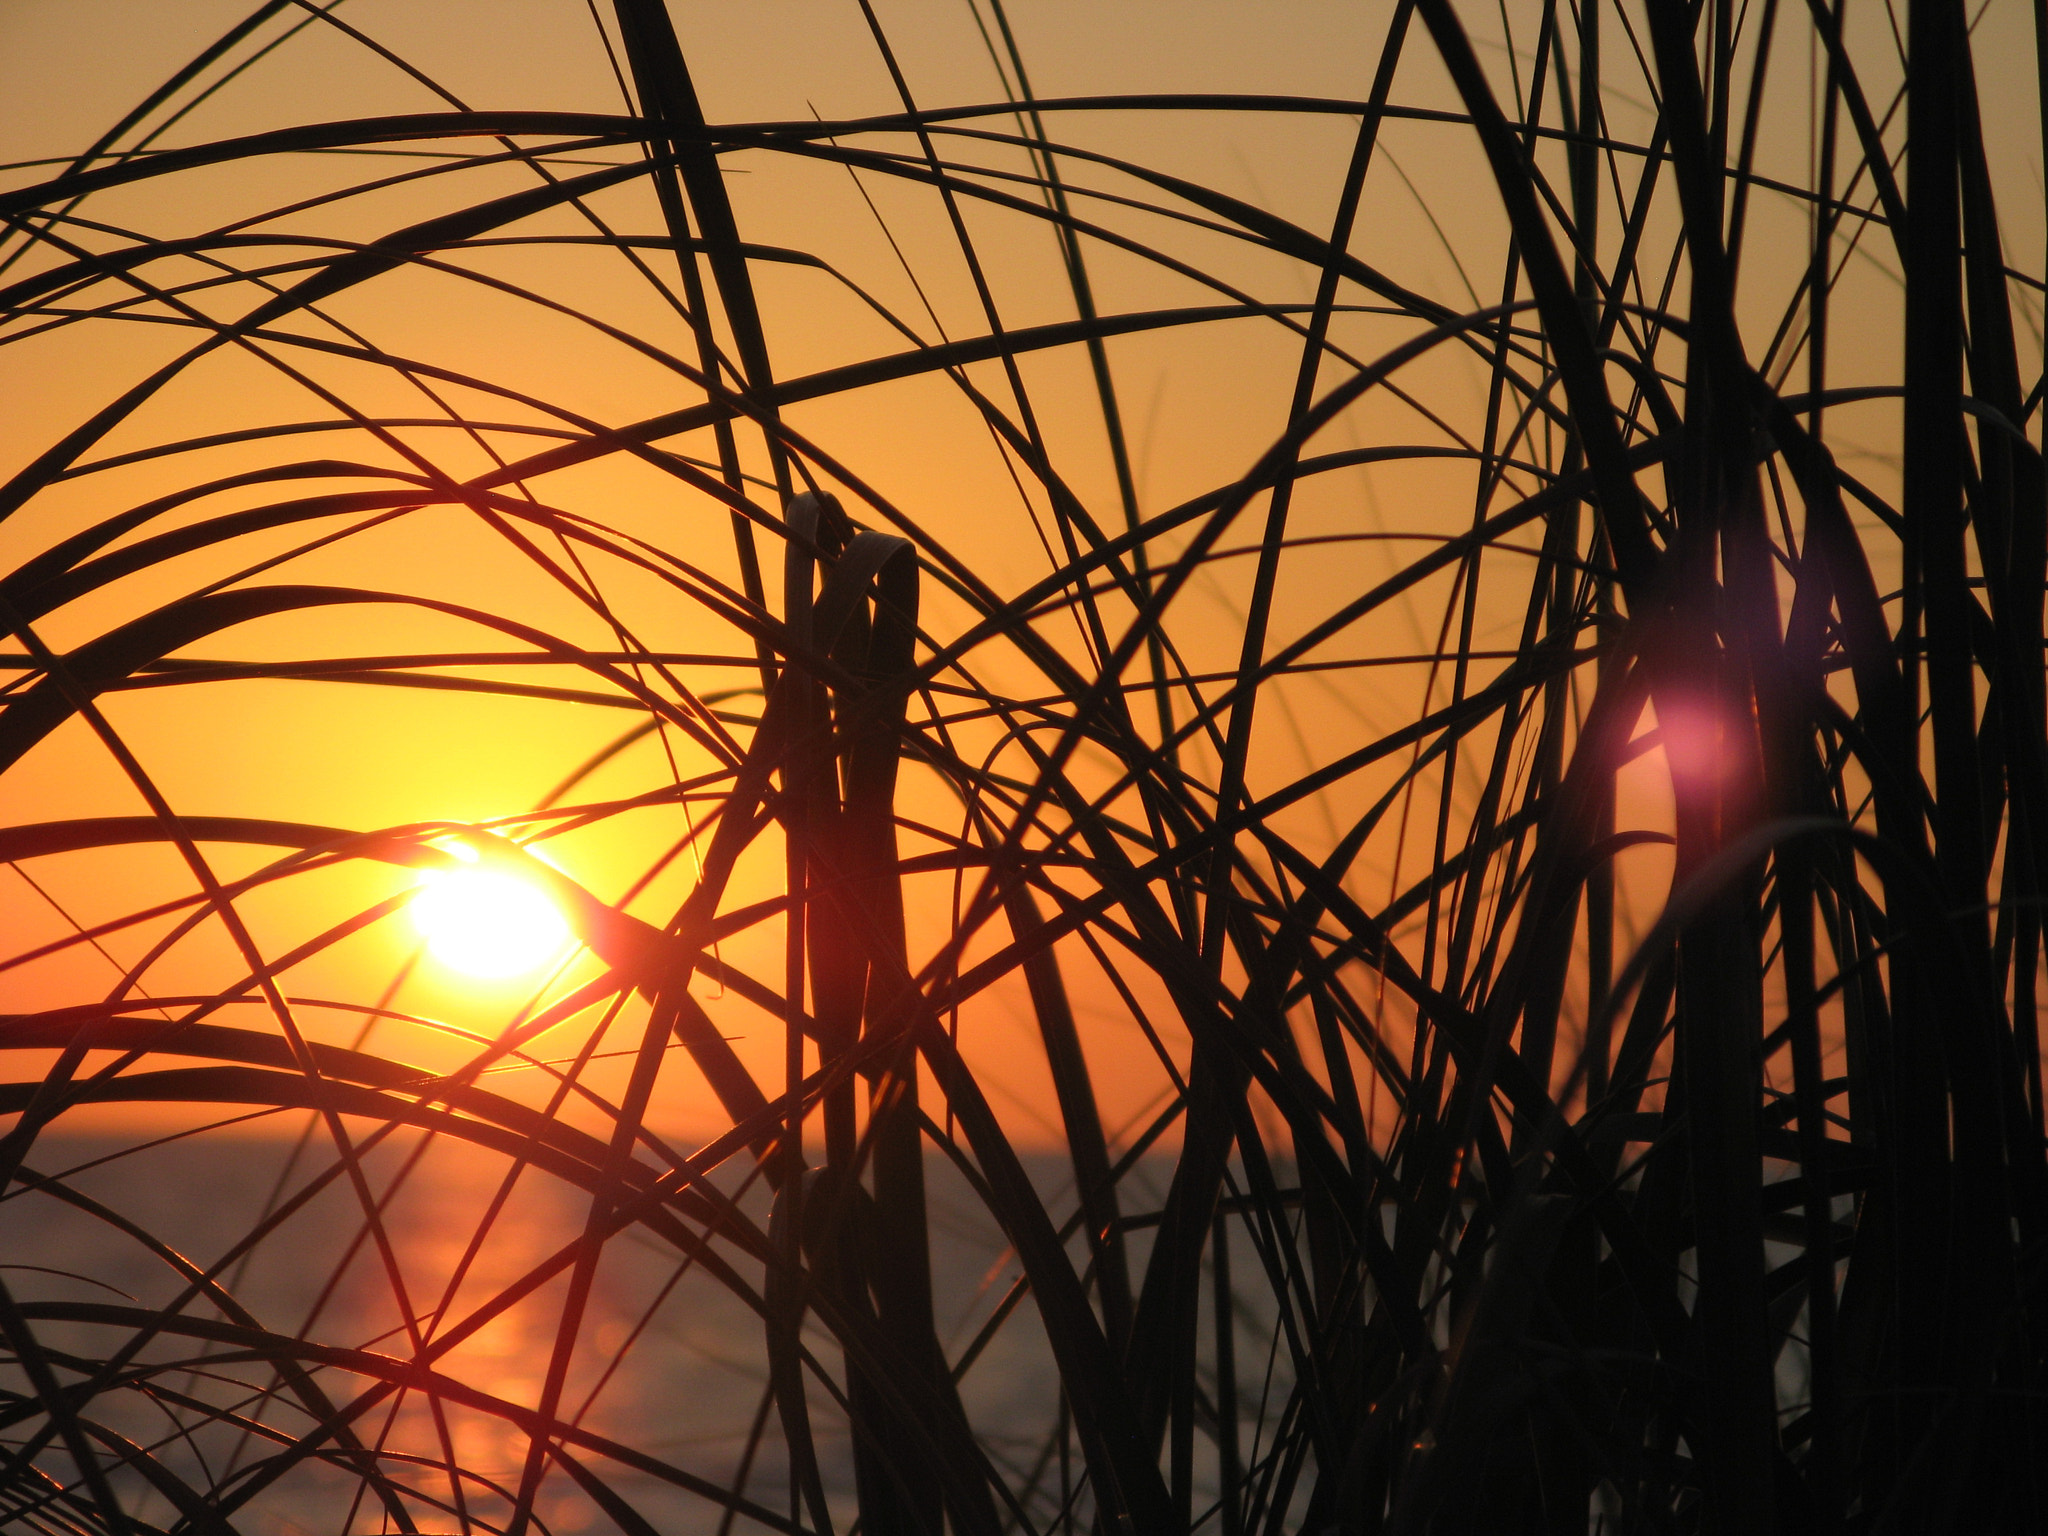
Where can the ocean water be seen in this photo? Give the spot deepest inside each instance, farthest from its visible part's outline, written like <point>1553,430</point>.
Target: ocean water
<point>670,1359</point>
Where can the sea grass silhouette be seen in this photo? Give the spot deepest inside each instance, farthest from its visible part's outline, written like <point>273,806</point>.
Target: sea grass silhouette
<point>1518,902</point>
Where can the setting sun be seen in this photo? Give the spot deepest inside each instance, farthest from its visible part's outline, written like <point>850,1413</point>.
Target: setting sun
<point>486,923</point>
<point>1184,767</point>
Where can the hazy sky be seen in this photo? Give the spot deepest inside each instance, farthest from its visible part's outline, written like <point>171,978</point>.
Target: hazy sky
<point>1199,405</point>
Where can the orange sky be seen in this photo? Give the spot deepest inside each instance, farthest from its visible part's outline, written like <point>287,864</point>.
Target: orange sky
<point>1200,406</point>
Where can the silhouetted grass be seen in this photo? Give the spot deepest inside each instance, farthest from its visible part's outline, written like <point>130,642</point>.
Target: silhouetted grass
<point>1503,1190</point>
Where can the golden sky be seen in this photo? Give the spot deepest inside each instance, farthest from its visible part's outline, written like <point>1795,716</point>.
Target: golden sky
<point>1200,403</point>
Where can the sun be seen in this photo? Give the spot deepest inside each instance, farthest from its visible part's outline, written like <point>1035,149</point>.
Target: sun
<point>485,922</point>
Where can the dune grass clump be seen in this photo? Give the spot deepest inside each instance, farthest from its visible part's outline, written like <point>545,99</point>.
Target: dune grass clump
<point>1512,889</point>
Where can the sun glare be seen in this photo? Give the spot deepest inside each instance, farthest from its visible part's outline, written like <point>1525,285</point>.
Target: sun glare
<point>488,924</point>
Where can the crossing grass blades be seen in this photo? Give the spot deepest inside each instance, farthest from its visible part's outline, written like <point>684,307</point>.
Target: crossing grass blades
<point>1500,1196</point>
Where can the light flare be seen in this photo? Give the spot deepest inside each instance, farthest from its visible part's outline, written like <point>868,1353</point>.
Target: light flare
<point>487,923</point>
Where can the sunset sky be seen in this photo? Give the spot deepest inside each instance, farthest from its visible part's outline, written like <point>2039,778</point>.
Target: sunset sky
<point>1200,403</point>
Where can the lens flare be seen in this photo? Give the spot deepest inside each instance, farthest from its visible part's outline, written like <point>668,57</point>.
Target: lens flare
<point>487,924</point>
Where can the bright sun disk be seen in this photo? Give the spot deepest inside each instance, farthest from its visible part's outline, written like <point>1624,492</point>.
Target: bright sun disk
<point>488,924</point>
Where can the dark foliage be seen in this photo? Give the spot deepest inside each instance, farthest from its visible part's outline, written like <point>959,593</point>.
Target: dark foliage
<point>1524,1195</point>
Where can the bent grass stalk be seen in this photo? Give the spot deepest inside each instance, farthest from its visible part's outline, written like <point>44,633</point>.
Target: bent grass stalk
<point>1459,1169</point>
